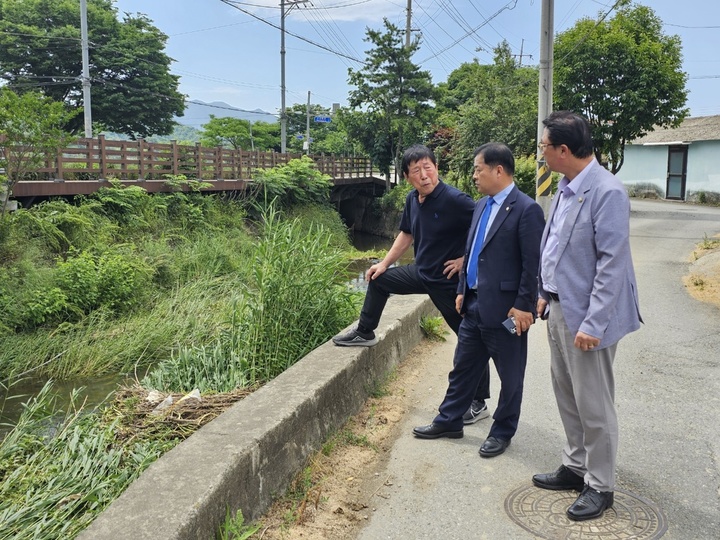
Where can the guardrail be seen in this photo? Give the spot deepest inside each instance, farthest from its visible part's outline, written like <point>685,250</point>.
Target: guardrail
<point>100,158</point>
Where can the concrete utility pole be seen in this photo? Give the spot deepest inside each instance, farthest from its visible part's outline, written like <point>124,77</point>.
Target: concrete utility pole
<point>87,108</point>
<point>283,115</point>
<point>408,24</point>
<point>306,145</point>
<point>545,96</point>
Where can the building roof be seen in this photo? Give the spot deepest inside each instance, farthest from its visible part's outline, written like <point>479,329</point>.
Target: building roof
<point>695,128</point>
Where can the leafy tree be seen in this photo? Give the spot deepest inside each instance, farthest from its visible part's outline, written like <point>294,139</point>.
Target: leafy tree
<point>327,137</point>
<point>133,91</point>
<point>624,75</point>
<point>227,131</point>
<point>240,134</point>
<point>266,136</point>
<point>496,102</point>
<point>297,126</point>
<point>30,128</point>
<point>396,95</point>
<point>186,135</point>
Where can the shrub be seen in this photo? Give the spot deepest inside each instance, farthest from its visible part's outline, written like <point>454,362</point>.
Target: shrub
<point>395,198</point>
<point>297,182</point>
<point>111,280</point>
<point>704,197</point>
<point>129,205</point>
<point>645,190</point>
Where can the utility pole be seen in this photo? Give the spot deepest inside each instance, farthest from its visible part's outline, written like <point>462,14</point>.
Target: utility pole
<point>520,56</point>
<point>283,115</point>
<point>307,128</point>
<point>87,108</point>
<point>545,96</point>
<point>408,24</point>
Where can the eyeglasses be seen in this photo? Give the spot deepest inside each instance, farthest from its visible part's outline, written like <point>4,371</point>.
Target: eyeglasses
<point>541,146</point>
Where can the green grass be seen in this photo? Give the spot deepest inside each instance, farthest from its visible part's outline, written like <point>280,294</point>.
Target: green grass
<point>433,328</point>
<point>235,528</point>
<point>709,243</point>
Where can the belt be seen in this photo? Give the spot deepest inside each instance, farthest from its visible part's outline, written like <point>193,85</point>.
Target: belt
<point>553,296</point>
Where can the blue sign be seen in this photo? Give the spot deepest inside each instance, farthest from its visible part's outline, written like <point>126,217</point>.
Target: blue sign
<point>325,119</point>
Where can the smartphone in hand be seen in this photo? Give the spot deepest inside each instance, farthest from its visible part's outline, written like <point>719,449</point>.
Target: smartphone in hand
<point>509,325</point>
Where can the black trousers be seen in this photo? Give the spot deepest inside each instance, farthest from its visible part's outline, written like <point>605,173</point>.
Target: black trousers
<point>476,345</point>
<point>406,280</point>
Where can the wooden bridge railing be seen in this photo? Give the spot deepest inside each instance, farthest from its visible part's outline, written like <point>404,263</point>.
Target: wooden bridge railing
<point>101,159</point>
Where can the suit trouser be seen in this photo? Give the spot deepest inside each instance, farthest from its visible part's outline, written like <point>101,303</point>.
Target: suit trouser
<point>476,344</point>
<point>585,392</point>
<point>406,280</point>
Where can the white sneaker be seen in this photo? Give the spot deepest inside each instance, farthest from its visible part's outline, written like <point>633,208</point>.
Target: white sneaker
<point>477,411</point>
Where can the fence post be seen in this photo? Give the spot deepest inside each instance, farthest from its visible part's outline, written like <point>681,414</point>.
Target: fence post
<point>59,170</point>
<point>174,167</point>
<point>104,170</point>
<point>141,160</point>
<point>219,163</point>
<point>198,160</point>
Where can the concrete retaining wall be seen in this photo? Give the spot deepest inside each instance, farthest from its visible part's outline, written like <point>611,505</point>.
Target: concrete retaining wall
<point>250,453</point>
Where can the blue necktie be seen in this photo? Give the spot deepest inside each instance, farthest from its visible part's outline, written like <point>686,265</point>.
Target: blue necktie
<point>479,239</point>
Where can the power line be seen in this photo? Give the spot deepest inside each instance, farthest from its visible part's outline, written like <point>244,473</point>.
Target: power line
<point>692,27</point>
<point>475,29</point>
<point>233,3</point>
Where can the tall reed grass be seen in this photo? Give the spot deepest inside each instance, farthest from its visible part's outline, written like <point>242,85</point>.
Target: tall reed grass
<point>295,297</point>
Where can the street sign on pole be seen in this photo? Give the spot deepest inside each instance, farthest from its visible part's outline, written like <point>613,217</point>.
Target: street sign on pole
<point>325,119</point>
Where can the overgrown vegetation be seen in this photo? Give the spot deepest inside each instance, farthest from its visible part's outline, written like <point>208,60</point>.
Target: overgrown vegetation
<point>711,198</point>
<point>292,300</point>
<point>645,190</point>
<point>180,283</point>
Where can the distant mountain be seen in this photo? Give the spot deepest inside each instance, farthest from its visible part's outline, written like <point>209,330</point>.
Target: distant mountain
<point>198,113</point>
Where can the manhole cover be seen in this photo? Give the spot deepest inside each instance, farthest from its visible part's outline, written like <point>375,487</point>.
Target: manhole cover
<point>542,512</point>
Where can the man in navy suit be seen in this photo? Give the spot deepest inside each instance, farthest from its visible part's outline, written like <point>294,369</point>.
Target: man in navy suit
<point>588,282</point>
<point>499,281</point>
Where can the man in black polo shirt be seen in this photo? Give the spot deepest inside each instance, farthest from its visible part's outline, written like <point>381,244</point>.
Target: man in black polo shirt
<point>436,220</point>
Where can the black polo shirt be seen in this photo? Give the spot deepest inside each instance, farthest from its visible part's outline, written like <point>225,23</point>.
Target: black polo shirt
<point>439,227</point>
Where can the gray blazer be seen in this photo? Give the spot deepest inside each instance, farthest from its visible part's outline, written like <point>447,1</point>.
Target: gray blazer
<point>594,275</point>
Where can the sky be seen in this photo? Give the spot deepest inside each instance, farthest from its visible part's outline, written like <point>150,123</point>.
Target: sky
<point>225,54</point>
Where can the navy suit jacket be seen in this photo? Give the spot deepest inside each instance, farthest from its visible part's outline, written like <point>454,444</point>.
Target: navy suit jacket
<point>509,260</point>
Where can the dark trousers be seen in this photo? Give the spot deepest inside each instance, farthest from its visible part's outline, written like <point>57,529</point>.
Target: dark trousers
<point>476,345</point>
<point>406,280</point>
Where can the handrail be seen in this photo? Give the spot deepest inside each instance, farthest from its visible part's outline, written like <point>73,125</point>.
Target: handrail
<point>101,159</point>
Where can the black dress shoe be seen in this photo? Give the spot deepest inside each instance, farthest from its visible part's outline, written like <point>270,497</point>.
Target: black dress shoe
<point>493,447</point>
<point>590,504</point>
<point>563,478</point>
<point>435,431</point>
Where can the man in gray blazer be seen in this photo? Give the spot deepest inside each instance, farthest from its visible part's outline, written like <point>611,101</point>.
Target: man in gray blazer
<point>589,295</point>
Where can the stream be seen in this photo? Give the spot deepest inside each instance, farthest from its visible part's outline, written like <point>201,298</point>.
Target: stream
<point>98,389</point>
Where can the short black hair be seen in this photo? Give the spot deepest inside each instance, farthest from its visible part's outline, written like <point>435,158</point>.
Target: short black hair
<point>495,154</point>
<point>572,130</point>
<point>415,153</point>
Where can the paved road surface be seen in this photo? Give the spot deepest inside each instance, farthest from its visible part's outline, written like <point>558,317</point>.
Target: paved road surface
<point>668,399</point>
